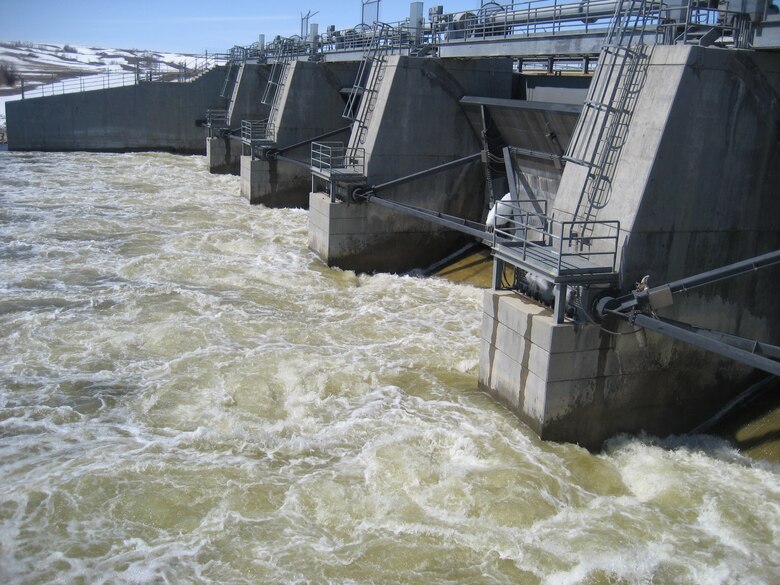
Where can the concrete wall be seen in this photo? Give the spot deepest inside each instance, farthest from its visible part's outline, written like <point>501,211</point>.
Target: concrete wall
<point>695,187</point>
<point>245,102</point>
<point>416,122</point>
<point>370,238</point>
<point>147,116</point>
<point>311,104</point>
<point>560,89</point>
<point>583,383</point>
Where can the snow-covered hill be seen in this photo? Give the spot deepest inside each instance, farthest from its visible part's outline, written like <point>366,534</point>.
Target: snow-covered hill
<point>50,68</point>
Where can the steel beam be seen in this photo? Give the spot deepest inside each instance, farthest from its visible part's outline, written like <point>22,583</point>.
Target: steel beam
<point>724,272</point>
<point>427,172</point>
<point>642,298</point>
<point>449,221</point>
<point>702,341</point>
<point>315,139</point>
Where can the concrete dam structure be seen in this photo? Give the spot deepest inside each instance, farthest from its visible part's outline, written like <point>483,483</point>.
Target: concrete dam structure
<point>610,154</point>
<point>149,115</point>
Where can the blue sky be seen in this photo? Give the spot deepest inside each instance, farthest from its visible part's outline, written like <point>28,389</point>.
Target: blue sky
<point>190,26</point>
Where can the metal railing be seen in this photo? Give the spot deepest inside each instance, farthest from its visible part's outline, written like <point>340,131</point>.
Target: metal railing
<point>255,130</point>
<point>285,51</point>
<point>533,17</point>
<point>689,23</point>
<point>78,84</point>
<point>600,132</point>
<point>181,72</point>
<point>544,19</point>
<point>491,22</point>
<point>369,72</point>
<point>217,118</point>
<point>235,60</point>
<point>540,240</point>
<point>335,157</point>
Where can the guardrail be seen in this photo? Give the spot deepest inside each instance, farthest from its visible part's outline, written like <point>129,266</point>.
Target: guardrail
<point>334,157</point>
<point>728,25</point>
<point>327,155</point>
<point>538,18</point>
<point>181,72</point>
<point>490,22</point>
<point>256,130</point>
<point>217,118</point>
<point>80,84</point>
<point>555,245</point>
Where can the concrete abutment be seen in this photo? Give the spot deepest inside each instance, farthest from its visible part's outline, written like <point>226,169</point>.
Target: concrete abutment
<point>369,238</point>
<point>274,183</point>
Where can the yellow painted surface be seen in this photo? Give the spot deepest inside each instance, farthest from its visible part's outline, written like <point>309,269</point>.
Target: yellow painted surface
<point>756,429</point>
<point>475,269</point>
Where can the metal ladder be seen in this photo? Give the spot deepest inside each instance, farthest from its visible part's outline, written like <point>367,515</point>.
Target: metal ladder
<point>234,92</point>
<point>286,51</point>
<point>235,59</point>
<point>602,128</point>
<point>370,73</point>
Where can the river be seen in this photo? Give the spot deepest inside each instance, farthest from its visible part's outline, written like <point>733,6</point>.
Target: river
<point>188,395</point>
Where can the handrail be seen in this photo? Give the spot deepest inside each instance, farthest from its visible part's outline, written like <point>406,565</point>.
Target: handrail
<point>526,230</point>
<point>335,156</point>
<point>255,130</point>
<point>217,118</point>
<point>80,84</point>
<point>182,72</point>
<point>216,122</point>
<point>546,18</point>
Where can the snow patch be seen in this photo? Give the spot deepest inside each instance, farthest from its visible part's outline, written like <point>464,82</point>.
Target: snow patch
<point>49,69</point>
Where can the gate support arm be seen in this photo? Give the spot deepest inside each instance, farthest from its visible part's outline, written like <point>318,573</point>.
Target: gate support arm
<point>420,175</point>
<point>691,336</point>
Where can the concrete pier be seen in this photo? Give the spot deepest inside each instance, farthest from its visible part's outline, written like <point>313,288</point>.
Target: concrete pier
<point>274,183</point>
<point>415,122</point>
<point>695,188</point>
<point>223,152</point>
<point>311,103</point>
<point>223,155</point>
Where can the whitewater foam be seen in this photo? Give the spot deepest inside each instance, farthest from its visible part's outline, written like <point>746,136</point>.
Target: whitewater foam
<point>187,394</point>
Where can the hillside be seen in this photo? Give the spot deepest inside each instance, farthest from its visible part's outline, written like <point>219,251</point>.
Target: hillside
<point>52,68</point>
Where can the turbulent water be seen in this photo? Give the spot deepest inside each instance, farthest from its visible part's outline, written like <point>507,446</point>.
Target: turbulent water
<point>188,395</point>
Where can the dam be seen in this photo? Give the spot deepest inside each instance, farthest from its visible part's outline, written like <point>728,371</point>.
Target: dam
<point>605,152</point>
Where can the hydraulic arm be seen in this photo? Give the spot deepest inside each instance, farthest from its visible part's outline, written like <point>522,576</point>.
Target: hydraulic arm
<point>639,308</point>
